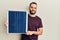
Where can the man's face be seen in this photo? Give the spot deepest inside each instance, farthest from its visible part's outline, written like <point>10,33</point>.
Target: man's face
<point>33,9</point>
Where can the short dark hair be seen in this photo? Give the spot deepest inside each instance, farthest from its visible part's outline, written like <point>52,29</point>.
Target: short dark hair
<point>33,3</point>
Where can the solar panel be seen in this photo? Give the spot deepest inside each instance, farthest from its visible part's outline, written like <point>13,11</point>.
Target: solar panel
<point>17,22</point>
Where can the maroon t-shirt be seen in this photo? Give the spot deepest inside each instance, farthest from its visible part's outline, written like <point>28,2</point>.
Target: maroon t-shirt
<point>33,24</point>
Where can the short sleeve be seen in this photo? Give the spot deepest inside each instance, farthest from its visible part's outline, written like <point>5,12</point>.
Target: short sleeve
<point>40,25</point>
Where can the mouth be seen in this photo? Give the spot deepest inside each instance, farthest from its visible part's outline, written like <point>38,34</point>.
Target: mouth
<point>33,12</point>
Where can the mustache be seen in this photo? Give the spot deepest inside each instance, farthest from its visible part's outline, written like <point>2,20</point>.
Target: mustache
<point>32,10</point>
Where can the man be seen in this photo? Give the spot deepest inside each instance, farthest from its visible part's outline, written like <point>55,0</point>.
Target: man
<point>35,26</point>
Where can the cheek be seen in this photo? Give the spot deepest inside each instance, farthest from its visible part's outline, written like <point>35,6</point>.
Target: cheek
<point>35,9</point>
<point>31,9</point>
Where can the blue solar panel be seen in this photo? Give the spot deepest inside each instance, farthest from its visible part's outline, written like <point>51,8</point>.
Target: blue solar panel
<point>17,21</point>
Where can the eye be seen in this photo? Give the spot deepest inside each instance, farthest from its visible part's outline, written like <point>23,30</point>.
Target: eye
<point>35,8</point>
<point>31,7</point>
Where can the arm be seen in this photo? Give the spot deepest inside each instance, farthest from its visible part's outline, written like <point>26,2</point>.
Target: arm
<point>38,32</point>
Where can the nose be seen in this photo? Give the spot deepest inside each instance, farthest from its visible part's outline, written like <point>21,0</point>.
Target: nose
<point>33,9</point>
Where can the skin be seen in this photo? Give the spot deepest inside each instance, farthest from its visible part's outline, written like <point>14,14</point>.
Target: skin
<point>33,9</point>
<point>6,23</point>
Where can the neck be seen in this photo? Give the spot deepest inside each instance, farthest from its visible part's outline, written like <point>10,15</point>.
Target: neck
<point>32,15</point>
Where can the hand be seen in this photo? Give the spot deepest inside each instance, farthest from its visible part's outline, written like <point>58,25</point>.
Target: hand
<point>29,32</point>
<point>6,23</point>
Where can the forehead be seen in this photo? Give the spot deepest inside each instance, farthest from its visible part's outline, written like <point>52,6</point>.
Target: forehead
<point>33,5</point>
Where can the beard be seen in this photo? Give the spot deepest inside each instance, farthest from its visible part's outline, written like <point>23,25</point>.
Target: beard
<point>32,12</point>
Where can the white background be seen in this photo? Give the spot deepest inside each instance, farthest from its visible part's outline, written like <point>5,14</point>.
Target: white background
<point>48,10</point>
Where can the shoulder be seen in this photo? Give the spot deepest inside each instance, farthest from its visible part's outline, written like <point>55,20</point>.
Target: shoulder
<point>38,17</point>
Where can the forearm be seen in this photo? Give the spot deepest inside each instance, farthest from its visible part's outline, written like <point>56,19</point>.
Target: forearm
<point>37,32</point>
